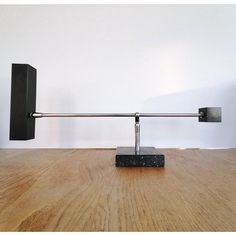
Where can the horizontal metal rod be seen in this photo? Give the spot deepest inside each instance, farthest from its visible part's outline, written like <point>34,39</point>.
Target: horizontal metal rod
<point>40,115</point>
<point>36,115</point>
<point>171,114</point>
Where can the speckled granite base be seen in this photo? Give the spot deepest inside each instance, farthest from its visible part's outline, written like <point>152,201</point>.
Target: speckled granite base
<point>147,157</point>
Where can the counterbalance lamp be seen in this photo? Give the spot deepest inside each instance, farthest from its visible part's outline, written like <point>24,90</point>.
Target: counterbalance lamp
<point>23,116</point>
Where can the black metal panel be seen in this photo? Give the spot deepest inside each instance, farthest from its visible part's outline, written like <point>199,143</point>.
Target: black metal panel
<point>210,114</point>
<point>23,102</point>
<point>147,157</point>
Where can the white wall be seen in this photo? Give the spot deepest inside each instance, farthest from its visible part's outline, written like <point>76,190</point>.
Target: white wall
<point>102,58</point>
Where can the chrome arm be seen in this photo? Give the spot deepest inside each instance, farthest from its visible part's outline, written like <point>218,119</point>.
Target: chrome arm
<point>40,115</point>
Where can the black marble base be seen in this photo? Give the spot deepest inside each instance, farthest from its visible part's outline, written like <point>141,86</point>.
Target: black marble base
<point>147,157</point>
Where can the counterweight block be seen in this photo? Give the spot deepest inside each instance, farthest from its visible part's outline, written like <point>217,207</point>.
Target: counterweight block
<point>210,114</point>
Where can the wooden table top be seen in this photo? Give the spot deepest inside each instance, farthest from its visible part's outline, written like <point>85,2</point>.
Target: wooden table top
<point>82,190</point>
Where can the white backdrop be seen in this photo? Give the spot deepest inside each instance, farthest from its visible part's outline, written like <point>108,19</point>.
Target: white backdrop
<point>123,58</point>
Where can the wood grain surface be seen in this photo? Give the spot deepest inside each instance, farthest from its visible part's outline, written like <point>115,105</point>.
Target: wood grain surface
<point>82,190</point>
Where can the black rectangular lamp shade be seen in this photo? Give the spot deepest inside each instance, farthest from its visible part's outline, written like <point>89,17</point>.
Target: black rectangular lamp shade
<point>23,102</point>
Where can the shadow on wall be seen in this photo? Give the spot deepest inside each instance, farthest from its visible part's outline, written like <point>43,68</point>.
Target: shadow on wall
<point>74,132</point>
<point>5,109</point>
<point>158,132</point>
<point>188,132</point>
<point>63,130</point>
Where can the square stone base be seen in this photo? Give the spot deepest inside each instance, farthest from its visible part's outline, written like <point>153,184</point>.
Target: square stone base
<point>147,157</point>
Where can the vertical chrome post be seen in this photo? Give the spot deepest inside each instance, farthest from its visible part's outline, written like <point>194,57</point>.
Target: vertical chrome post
<point>137,133</point>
